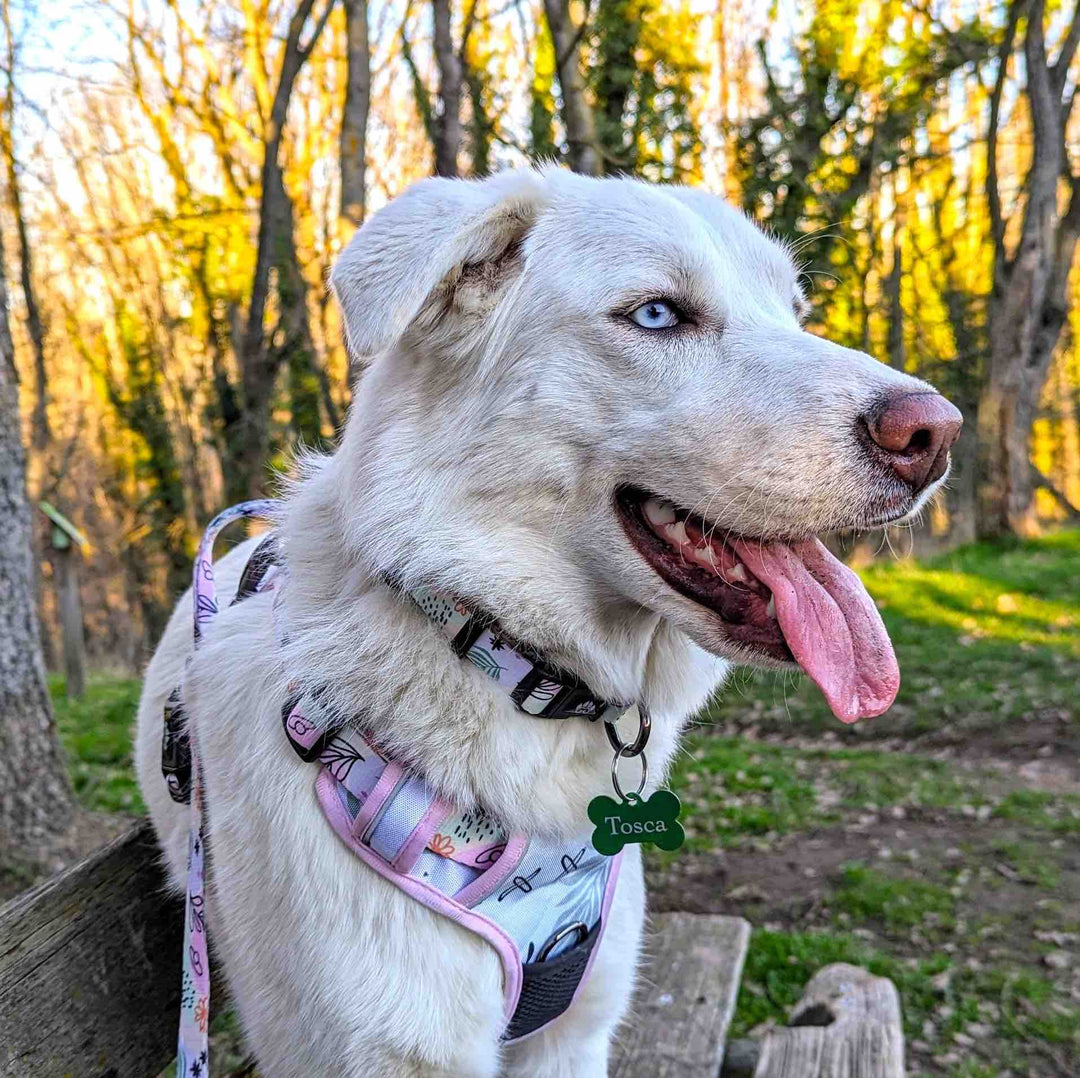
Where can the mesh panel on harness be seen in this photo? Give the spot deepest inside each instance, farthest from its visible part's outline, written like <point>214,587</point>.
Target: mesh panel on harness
<point>548,988</point>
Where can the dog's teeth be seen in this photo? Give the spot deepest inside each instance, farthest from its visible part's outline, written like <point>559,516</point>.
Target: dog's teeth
<point>738,573</point>
<point>677,533</point>
<point>771,608</point>
<point>702,554</point>
<point>659,513</point>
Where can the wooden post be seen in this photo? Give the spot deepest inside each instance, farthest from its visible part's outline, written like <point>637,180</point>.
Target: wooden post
<point>66,541</point>
<point>685,1000</point>
<point>71,623</point>
<point>847,1024</point>
<point>90,968</point>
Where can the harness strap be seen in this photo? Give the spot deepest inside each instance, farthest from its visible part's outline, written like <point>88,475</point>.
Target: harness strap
<point>429,827</point>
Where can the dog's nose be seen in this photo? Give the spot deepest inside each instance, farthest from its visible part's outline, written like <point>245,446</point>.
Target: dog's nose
<point>916,432</point>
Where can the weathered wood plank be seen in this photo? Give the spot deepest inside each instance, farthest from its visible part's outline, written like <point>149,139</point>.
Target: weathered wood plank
<point>90,968</point>
<point>685,1000</point>
<point>847,1025</point>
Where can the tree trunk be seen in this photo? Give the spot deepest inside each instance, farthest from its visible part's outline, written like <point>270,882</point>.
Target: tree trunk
<point>1021,351</point>
<point>40,424</point>
<point>260,361</point>
<point>448,129</point>
<point>354,118</point>
<point>36,800</point>
<point>1030,290</point>
<point>1027,312</point>
<point>576,111</point>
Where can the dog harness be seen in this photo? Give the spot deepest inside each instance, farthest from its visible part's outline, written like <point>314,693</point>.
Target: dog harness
<point>542,905</point>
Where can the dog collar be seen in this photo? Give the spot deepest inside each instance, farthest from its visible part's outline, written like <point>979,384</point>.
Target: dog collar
<point>535,686</point>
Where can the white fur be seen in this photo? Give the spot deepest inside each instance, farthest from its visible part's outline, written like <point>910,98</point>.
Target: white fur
<point>506,400</point>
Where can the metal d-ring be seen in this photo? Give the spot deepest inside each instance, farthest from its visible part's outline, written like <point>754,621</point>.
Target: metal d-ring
<point>623,754</point>
<point>635,747</point>
<point>579,927</point>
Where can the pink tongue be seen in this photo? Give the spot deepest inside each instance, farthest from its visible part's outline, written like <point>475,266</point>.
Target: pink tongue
<point>830,623</point>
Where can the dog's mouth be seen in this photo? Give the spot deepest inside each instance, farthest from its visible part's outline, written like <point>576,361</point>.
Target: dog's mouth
<point>775,601</point>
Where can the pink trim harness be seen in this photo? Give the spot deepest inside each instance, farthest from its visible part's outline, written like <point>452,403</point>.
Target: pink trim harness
<point>543,906</point>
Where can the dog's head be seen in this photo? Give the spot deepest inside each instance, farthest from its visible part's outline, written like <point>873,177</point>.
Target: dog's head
<point>591,405</point>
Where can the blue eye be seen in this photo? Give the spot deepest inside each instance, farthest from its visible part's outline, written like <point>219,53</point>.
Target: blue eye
<point>656,314</point>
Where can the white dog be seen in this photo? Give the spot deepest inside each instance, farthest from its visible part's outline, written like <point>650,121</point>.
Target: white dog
<point>590,412</point>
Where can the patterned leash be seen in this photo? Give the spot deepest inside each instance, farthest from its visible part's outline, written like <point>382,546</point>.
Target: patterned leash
<point>193,1041</point>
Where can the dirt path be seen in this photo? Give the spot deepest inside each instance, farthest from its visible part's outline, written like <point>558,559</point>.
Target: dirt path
<point>976,908</point>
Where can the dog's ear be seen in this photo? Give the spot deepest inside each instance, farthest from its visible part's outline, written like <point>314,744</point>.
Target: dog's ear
<point>398,259</point>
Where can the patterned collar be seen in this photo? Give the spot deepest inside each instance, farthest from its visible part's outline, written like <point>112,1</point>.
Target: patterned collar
<point>535,686</point>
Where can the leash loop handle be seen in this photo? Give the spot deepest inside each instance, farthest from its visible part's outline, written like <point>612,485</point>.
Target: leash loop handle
<point>193,1036</point>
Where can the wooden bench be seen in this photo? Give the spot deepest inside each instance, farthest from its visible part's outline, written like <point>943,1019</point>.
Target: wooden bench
<point>90,984</point>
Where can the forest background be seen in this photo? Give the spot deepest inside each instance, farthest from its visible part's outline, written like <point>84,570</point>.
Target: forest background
<point>179,177</point>
<point>176,179</point>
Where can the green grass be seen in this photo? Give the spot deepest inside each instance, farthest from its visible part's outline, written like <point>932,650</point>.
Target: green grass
<point>739,790</point>
<point>779,964</point>
<point>1058,813</point>
<point>736,790</point>
<point>96,733</point>
<point>866,894</point>
<point>988,640</point>
<point>1030,863</point>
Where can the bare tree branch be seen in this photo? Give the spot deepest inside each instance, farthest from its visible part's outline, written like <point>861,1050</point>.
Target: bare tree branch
<point>1042,480</point>
<point>305,52</point>
<point>276,249</point>
<point>449,130</point>
<point>993,192</point>
<point>467,28</point>
<point>420,90</point>
<point>1059,73</point>
<point>1040,92</point>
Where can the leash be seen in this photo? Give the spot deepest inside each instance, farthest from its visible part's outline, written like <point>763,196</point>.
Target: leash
<point>193,1039</point>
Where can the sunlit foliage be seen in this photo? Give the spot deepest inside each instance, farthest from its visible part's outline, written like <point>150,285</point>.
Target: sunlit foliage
<point>856,129</point>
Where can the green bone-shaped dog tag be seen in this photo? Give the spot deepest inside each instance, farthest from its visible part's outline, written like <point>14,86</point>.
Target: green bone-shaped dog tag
<point>633,820</point>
